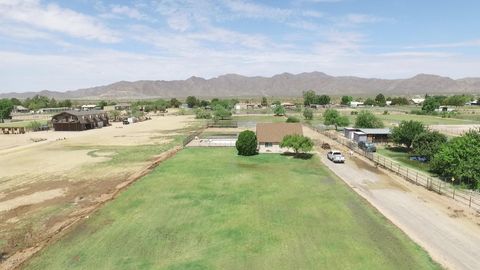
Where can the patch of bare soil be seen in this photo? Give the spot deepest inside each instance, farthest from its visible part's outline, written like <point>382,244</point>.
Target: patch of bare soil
<point>58,225</point>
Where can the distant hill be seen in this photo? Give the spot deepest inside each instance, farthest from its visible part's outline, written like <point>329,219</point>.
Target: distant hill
<point>285,84</point>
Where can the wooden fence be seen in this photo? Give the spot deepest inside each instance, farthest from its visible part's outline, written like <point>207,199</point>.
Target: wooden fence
<point>470,198</point>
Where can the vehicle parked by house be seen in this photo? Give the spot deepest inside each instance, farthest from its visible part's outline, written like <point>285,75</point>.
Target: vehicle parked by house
<point>336,156</point>
<point>367,146</point>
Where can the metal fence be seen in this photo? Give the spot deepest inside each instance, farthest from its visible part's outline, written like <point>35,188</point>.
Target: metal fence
<point>470,198</point>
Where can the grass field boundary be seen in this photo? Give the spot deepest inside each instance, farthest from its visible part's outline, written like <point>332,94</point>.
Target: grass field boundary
<point>17,260</point>
<point>470,198</point>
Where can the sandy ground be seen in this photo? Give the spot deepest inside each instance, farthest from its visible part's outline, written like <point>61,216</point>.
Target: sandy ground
<point>54,175</point>
<point>448,231</point>
<point>453,130</point>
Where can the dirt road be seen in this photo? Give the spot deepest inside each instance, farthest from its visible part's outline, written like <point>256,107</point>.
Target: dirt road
<point>445,229</point>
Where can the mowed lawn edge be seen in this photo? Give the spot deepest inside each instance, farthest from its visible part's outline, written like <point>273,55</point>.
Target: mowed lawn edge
<point>211,209</point>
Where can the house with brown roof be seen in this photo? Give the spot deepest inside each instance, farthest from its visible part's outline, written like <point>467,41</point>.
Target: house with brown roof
<point>269,135</point>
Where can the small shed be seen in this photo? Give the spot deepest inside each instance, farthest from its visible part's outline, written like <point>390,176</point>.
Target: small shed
<point>377,135</point>
<point>359,136</point>
<point>348,132</point>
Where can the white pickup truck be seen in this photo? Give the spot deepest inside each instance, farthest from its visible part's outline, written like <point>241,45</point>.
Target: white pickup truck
<point>336,156</point>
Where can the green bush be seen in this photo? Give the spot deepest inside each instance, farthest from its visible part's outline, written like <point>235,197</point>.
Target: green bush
<point>247,143</point>
<point>308,114</point>
<point>293,119</point>
<point>201,113</point>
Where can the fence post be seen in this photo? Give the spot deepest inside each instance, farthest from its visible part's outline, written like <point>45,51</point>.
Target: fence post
<point>416,179</point>
<point>440,187</point>
<point>454,193</point>
<point>470,201</point>
<point>407,173</point>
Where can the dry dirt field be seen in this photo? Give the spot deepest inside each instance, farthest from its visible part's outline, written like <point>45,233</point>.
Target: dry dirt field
<point>46,185</point>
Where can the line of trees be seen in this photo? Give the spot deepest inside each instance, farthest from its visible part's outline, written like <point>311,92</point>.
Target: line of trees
<point>457,159</point>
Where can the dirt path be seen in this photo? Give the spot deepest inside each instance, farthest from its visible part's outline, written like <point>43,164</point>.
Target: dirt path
<point>449,232</point>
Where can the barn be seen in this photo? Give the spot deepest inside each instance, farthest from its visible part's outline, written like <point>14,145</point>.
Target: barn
<point>79,120</point>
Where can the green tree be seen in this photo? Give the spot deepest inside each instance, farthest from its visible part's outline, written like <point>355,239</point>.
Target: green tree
<point>15,101</point>
<point>102,104</point>
<point>456,100</point>
<point>6,107</point>
<point>65,103</point>
<point>406,132</point>
<point>333,117</point>
<point>459,158</point>
<point>400,101</point>
<point>366,119</point>
<point>279,110</point>
<point>292,119</point>
<point>204,103</point>
<point>346,100</point>
<point>221,113</point>
<point>175,103</point>
<point>430,104</point>
<point>428,143</point>
<point>380,100</point>
<point>192,101</point>
<point>322,100</point>
<point>369,102</point>
<point>308,114</point>
<point>309,97</point>
<point>264,102</point>
<point>298,143</point>
<point>246,143</point>
<point>201,113</point>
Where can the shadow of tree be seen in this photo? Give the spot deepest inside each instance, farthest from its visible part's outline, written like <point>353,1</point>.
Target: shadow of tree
<point>304,156</point>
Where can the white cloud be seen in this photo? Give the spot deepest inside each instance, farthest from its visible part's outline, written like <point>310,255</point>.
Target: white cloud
<point>253,10</point>
<point>468,43</point>
<point>130,12</point>
<point>54,18</point>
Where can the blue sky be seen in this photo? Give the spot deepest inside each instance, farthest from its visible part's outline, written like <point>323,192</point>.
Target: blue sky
<point>66,45</point>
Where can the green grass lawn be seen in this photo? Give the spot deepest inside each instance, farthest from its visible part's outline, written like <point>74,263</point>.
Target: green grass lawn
<point>207,208</point>
<point>404,159</point>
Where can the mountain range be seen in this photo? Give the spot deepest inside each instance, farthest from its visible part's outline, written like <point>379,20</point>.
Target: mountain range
<point>285,84</point>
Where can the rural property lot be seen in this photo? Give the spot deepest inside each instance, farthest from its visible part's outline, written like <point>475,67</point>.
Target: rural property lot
<point>47,185</point>
<point>207,208</point>
<point>447,230</point>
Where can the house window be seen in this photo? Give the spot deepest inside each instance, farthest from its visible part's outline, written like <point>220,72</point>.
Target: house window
<point>268,144</point>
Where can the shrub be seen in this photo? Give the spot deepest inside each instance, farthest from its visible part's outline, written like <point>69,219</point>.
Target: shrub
<point>333,117</point>
<point>247,143</point>
<point>279,110</point>
<point>308,114</point>
<point>293,119</point>
<point>201,113</point>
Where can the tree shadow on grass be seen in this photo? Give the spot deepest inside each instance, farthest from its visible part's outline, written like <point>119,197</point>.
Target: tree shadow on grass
<point>398,149</point>
<point>304,156</point>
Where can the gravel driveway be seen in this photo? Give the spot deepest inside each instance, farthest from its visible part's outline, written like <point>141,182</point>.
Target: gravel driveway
<point>449,232</point>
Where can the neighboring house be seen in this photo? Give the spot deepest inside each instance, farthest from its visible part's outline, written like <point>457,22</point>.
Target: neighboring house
<point>355,104</point>
<point>289,106</point>
<point>53,110</point>
<point>270,135</point>
<point>184,106</point>
<point>418,101</point>
<point>388,102</point>
<point>445,109</point>
<point>20,109</point>
<point>123,107</point>
<point>90,107</point>
<point>79,120</point>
